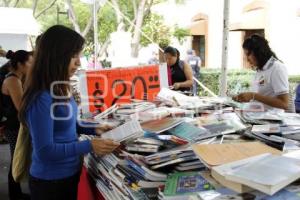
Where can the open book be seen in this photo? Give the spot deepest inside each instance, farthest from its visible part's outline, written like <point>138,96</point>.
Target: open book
<point>129,130</point>
<point>267,173</point>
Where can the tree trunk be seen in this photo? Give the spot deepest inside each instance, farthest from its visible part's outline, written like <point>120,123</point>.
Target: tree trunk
<point>119,15</point>
<point>103,48</point>
<point>90,23</point>
<point>45,9</point>
<point>6,3</point>
<point>137,29</point>
<point>134,7</point>
<point>16,3</point>
<point>34,6</point>
<point>72,17</point>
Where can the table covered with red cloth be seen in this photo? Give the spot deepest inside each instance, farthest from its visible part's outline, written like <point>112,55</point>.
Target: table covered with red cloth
<point>87,189</point>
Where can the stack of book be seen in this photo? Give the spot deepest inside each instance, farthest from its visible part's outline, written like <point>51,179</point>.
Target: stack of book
<point>134,107</point>
<point>123,179</point>
<point>162,112</point>
<point>144,145</point>
<point>181,158</point>
<point>131,110</point>
<point>183,101</point>
<point>264,117</point>
<point>165,151</point>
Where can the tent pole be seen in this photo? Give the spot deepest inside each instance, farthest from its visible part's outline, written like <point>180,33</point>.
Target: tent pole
<point>223,80</point>
<point>95,33</point>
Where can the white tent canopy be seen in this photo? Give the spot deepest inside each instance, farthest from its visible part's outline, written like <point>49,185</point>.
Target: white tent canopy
<point>18,21</point>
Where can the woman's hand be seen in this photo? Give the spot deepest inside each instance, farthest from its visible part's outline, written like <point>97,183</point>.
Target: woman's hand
<point>103,146</point>
<point>176,86</point>
<point>102,129</point>
<point>244,97</point>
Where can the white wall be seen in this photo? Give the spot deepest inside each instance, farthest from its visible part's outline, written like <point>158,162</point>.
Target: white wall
<point>284,32</point>
<point>13,42</point>
<point>235,40</point>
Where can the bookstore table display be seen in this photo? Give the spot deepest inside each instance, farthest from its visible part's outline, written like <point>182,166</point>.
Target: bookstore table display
<point>181,147</point>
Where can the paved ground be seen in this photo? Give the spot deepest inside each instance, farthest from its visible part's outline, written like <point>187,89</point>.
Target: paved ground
<point>4,166</point>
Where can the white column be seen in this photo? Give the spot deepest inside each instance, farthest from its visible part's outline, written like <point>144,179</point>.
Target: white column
<point>223,80</point>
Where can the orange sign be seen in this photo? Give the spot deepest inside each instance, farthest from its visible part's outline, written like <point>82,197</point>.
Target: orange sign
<point>105,88</point>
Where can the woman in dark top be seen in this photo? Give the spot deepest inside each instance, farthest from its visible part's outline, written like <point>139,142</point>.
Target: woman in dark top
<point>11,95</point>
<point>180,73</point>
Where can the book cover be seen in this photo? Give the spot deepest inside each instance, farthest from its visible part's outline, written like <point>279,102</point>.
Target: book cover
<point>188,131</point>
<point>181,183</point>
<point>267,128</point>
<point>159,126</point>
<point>218,154</point>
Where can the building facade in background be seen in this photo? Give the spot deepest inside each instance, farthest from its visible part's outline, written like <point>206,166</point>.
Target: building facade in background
<point>277,20</point>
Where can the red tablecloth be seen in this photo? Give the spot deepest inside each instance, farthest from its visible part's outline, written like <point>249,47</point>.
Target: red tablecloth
<point>87,190</point>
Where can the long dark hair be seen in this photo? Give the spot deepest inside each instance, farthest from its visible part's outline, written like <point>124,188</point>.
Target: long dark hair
<point>259,47</point>
<point>173,52</point>
<point>53,54</point>
<point>20,56</point>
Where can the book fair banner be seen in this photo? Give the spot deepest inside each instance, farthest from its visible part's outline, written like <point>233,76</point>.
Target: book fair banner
<point>100,89</point>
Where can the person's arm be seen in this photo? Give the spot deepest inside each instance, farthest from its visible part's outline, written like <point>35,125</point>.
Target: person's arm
<point>280,85</point>
<point>189,78</point>
<point>15,90</point>
<point>91,128</point>
<point>280,101</point>
<point>41,129</point>
<point>41,125</point>
<point>85,128</point>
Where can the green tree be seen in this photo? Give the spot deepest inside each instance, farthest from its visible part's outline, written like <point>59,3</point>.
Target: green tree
<point>128,15</point>
<point>180,34</point>
<point>158,32</point>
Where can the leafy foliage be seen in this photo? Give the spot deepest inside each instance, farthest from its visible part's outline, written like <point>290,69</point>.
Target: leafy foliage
<point>181,34</point>
<point>238,80</point>
<point>156,30</point>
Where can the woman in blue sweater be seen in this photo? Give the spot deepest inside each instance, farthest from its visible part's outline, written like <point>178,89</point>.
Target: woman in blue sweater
<point>50,112</point>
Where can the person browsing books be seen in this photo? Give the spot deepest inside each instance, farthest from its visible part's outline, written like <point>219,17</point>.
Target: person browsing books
<point>11,79</point>
<point>50,112</point>
<point>180,74</point>
<point>270,85</point>
<point>195,62</point>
